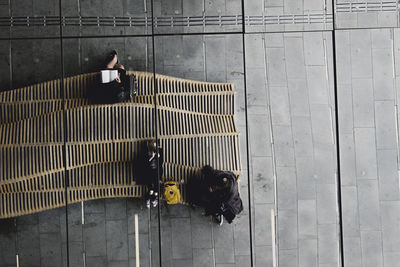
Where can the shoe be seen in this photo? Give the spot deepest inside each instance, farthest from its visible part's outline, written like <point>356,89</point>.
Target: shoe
<point>219,219</point>
<point>148,203</point>
<point>154,203</point>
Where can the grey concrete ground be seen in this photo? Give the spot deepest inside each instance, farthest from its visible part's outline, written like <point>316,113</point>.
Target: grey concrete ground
<point>291,131</point>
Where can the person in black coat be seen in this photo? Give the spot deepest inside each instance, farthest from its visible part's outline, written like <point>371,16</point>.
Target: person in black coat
<point>216,191</point>
<point>118,90</point>
<point>147,172</point>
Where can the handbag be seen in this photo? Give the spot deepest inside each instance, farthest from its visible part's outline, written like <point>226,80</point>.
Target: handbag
<point>171,193</point>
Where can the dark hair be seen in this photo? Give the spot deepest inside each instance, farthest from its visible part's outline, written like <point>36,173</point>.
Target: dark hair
<point>152,145</point>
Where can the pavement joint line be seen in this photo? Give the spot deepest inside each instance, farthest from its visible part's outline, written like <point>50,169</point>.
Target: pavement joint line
<point>275,178</point>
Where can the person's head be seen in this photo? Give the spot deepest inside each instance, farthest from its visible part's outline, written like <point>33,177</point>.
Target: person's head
<point>225,183</point>
<point>152,145</point>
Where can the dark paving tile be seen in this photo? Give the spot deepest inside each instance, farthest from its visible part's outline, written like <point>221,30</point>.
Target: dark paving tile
<point>5,61</point>
<point>49,221</point>
<point>164,218</point>
<point>224,255</point>
<point>46,7</point>
<point>74,223</point>
<point>201,235</point>
<point>241,235</point>
<point>263,256</point>
<point>50,249</point>
<point>94,235</point>
<point>116,209</point>
<point>28,245</point>
<point>166,244</point>
<point>135,7</point>
<point>5,10</point>
<point>197,216</point>
<point>223,235</point>
<point>70,8</point>
<point>35,8</point>
<point>64,254</point>
<point>118,264</point>
<point>203,258</point>
<point>95,206</point>
<point>171,7</point>
<point>30,219</point>
<point>46,59</point>
<point>72,64</point>
<point>242,261</point>
<point>96,262</point>
<point>91,8</point>
<point>176,211</point>
<point>113,8</point>
<point>76,254</point>
<point>7,242</point>
<point>153,246</point>
<point>215,58</point>
<point>182,263</point>
<point>135,206</point>
<point>181,238</point>
<point>21,8</point>
<point>136,53</point>
<point>117,240</point>
<point>5,31</point>
<point>143,250</point>
<point>35,61</point>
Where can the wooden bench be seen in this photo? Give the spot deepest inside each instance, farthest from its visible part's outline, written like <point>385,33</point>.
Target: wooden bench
<point>195,127</point>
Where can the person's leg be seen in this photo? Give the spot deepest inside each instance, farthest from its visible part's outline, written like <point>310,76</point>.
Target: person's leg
<point>149,197</point>
<point>154,201</point>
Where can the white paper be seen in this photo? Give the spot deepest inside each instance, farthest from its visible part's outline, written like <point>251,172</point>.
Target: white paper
<point>113,75</point>
<point>105,76</point>
<point>108,75</point>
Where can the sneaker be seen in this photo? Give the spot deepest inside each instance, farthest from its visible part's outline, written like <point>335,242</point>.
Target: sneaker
<point>154,203</point>
<point>219,219</point>
<point>148,203</point>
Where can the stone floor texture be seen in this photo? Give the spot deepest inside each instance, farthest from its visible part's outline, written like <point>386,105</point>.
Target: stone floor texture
<point>298,56</point>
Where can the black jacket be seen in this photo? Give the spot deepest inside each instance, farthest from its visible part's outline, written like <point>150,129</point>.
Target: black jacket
<point>225,201</point>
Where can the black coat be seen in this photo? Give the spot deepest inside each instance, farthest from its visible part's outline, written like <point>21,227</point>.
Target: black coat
<point>145,170</point>
<point>221,201</point>
<point>112,92</point>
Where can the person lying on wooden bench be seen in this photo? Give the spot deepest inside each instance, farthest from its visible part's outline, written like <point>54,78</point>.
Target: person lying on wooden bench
<point>216,191</point>
<point>113,85</point>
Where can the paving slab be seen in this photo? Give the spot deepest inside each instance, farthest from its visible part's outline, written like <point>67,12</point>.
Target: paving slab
<point>307,221</point>
<point>388,175</point>
<point>368,205</point>
<point>371,247</point>
<point>365,153</point>
<point>308,253</point>
<point>262,224</point>
<point>327,244</point>
<point>350,209</point>
<point>263,256</point>
<point>390,227</point>
<point>287,230</point>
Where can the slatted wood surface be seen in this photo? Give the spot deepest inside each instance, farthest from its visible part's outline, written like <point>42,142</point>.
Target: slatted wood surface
<point>195,126</point>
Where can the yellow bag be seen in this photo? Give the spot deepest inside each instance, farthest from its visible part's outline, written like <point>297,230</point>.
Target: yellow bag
<point>171,193</point>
